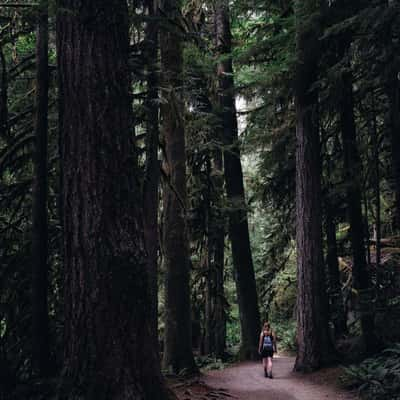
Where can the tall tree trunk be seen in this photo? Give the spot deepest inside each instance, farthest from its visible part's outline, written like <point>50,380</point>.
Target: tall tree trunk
<point>203,108</point>
<point>377,186</point>
<point>366,224</point>
<point>215,319</point>
<point>217,247</point>
<point>214,226</point>
<point>352,168</point>
<point>337,313</point>
<point>209,337</point>
<point>3,96</point>
<point>152,164</point>
<point>390,37</point>
<point>394,120</point>
<point>178,354</point>
<point>40,318</point>
<point>109,353</point>
<point>377,189</point>
<point>215,299</point>
<point>238,223</point>
<point>219,308</point>
<point>312,328</point>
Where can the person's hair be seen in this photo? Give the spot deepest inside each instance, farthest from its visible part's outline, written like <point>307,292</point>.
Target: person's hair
<point>267,326</point>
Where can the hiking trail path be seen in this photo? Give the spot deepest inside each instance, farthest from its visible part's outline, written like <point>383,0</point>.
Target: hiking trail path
<point>246,381</point>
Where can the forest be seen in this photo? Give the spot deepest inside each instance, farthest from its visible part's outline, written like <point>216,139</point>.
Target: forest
<point>175,173</point>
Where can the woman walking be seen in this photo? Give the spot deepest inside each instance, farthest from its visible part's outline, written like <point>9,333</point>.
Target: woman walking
<point>266,348</point>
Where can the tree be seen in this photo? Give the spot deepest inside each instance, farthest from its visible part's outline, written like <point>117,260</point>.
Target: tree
<point>352,165</point>
<point>392,88</point>
<point>178,353</point>
<point>3,94</point>
<point>151,184</point>
<point>352,168</point>
<point>216,244</point>
<point>337,311</point>
<point>109,353</point>
<point>238,223</point>
<point>312,334</point>
<point>40,319</point>
<point>206,194</point>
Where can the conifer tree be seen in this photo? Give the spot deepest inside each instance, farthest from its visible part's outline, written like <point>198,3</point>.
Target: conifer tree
<point>238,222</point>
<point>178,354</point>
<point>109,351</point>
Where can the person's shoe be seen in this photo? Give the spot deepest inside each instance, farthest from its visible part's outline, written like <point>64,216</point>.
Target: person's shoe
<point>265,373</point>
<point>270,376</point>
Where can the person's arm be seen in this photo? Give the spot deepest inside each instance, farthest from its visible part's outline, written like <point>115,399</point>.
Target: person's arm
<point>274,342</point>
<point>260,342</point>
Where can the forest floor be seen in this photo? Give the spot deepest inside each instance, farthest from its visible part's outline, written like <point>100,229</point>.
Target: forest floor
<point>246,381</point>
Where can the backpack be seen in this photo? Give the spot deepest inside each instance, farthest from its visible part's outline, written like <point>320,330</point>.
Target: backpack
<point>267,343</point>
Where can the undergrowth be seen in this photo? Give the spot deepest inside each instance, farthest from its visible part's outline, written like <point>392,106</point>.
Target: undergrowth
<point>207,363</point>
<point>376,378</point>
<point>286,335</point>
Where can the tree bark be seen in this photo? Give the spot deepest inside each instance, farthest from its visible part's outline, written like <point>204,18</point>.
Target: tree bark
<point>217,253</point>
<point>393,91</point>
<point>215,318</point>
<point>377,188</point>
<point>40,318</point>
<point>238,223</point>
<point>152,164</point>
<point>178,354</point>
<point>4,131</point>
<point>219,315</point>
<point>314,346</point>
<point>109,353</point>
<point>390,38</point>
<point>210,160</point>
<point>352,168</point>
<point>210,295</point>
<point>337,313</point>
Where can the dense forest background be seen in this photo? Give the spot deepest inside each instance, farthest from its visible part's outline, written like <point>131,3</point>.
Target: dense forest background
<point>175,172</point>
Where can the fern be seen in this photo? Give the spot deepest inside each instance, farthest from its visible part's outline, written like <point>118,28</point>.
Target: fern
<point>376,378</point>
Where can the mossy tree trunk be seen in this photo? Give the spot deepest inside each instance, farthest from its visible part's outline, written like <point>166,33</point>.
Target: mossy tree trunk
<point>178,354</point>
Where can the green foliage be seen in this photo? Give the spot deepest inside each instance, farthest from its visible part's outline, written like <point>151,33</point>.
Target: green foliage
<point>264,43</point>
<point>283,287</point>
<point>25,44</point>
<point>208,363</point>
<point>285,331</point>
<point>376,378</point>
<point>233,328</point>
<point>264,59</point>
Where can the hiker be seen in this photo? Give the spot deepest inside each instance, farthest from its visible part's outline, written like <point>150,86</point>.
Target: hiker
<point>266,348</point>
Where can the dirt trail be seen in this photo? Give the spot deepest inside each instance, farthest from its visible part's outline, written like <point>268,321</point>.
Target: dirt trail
<point>247,382</point>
